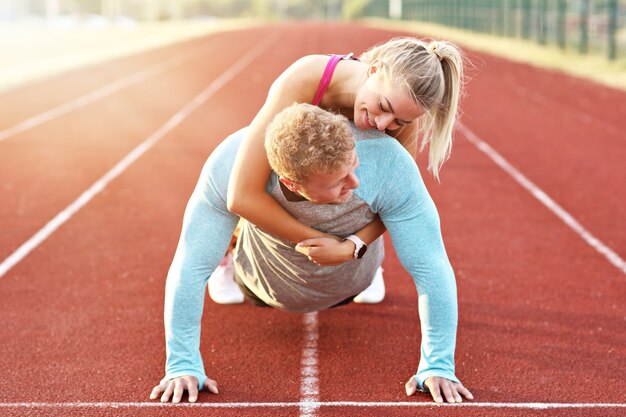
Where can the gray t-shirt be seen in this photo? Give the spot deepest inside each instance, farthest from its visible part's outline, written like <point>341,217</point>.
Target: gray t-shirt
<point>285,279</point>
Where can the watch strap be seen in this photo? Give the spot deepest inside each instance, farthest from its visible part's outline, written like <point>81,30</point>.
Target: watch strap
<point>360,246</point>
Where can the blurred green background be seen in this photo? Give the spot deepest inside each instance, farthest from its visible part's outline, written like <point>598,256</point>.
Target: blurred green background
<point>595,26</point>
<point>582,37</point>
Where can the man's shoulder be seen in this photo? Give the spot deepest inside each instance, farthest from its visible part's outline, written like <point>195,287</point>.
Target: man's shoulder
<point>379,152</point>
<point>374,141</point>
<point>360,135</point>
<point>387,172</point>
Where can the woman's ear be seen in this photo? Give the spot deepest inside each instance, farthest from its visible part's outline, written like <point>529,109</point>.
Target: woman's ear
<point>375,67</point>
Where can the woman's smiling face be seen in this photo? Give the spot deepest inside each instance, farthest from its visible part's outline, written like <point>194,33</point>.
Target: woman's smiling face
<point>383,106</point>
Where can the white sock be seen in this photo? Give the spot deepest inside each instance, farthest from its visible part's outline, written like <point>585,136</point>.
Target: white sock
<point>375,293</point>
<point>222,286</point>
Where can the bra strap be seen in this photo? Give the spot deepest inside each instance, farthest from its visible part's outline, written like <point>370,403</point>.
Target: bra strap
<point>327,77</point>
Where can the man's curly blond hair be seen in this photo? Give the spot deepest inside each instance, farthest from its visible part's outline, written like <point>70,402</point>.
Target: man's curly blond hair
<point>304,140</point>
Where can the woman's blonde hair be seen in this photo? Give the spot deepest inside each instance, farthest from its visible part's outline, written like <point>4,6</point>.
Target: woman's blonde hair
<point>304,140</point>
<point>433,74</point>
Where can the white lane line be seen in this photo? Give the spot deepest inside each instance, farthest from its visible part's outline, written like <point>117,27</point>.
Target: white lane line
<point>309,386</point>
<point>102,92</point>
<point>135,154</point>
<point>567,218</point>
<point>317,404</point>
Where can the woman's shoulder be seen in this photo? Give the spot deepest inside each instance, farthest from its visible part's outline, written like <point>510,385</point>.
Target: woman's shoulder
<point>308,66</point>
<point>316,62</point>
<point>303,74</point>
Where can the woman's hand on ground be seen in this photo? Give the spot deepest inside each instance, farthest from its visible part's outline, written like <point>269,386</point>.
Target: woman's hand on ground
<point>177,386</point>
<point>326,251</point>
<point>452,391</point>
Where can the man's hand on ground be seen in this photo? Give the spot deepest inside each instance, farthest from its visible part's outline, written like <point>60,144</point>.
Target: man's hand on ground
<point>452,391</point>
<point>178,386</point>
<point>327,251</point>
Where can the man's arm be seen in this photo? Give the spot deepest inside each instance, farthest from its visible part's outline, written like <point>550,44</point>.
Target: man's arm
<point>410,215</point>
<point>206,233</point>
<point>413,226</point>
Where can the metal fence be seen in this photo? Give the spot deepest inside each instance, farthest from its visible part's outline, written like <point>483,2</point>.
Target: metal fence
<point>596,26</point>
<point>587,26</point>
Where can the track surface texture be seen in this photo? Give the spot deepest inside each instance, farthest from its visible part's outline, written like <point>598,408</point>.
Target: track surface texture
<point>541,311</point>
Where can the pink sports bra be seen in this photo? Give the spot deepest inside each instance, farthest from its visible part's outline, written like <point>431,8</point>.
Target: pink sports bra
<point>328,76</point>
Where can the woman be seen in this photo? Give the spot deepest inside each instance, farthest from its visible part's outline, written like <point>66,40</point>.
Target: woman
<point>389,88</point>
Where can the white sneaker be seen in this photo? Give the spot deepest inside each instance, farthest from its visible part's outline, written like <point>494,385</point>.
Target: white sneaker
<point>375,293</point>
<point>222,286</point>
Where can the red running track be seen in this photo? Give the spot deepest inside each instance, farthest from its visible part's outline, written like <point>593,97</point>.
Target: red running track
<point>541,312</point>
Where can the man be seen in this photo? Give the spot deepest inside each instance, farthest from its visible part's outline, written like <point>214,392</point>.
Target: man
<point>328,181</point>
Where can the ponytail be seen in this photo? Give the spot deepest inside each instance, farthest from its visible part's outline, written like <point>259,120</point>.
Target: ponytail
<point>444,114</point>
<point>432,73</point>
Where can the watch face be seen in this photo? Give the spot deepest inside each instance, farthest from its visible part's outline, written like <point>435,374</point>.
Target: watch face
<point>361,252</point>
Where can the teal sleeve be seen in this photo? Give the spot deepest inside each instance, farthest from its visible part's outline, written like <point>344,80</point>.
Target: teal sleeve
<point>206,233</point>
<point>397,193</point>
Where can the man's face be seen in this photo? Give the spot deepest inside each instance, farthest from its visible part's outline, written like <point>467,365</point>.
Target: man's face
<point>335,188</point>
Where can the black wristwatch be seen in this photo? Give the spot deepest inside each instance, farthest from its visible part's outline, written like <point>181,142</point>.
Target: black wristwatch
<point>360,246</point>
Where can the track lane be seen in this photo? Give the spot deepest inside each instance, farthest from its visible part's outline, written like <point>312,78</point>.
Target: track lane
<point>577,163</point>
<point>103,91</point>
<point>39,96</point>
<point>590,102</point>
<point>165,411</point>
<point>478,273</point>
<point>51,165</point>
<point>453,411</point>
<point>104,281</point>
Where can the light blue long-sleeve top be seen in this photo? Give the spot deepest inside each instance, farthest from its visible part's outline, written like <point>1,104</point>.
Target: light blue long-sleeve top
<point>392,186</point>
